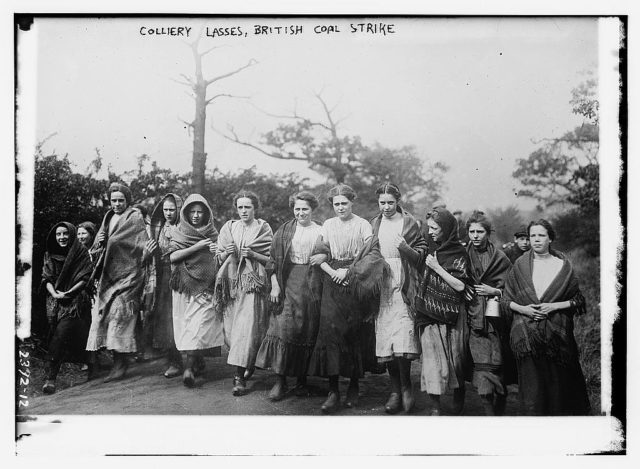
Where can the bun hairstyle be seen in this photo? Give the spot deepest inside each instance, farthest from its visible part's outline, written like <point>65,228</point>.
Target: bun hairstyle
<point>306,196</point>
<point>343,190</point>
<point>546,225</point>
<point>479,217</point>
<point>249,195</point>
<point>389,188</point>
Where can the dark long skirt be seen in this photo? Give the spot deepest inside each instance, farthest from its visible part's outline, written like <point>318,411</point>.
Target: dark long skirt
<point>339,346</point>
<point>291,337</point>
<point>161,320</point>
<point>547,388</point>
<point>493,366</point>
<point>68,338</point>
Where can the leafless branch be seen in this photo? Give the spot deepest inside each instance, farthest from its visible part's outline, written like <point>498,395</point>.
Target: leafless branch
<point>293,116</point>
<point>182,82</point>
<point>237,140</point>
<point>202,54</point>
<point>208,101</point>
<point>233,72</point>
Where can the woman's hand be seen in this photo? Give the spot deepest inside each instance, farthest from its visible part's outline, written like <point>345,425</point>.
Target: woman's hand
<point>546,308</point>
<point>151,246</point>
<point>339,276</point>
<point>317,259</point>
<point>100,238</point>
<point>432,262</point>
<point>58,295</point>
<point>486,290</point>
<point>399,242</point>
<point>246,252</point>
<point>274,296</point>
<point>213,247</point>
<point>529,310</point>
<point>203,244</point>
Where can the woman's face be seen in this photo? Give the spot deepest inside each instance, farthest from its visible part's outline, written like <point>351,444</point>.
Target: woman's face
<point>62,236</point>
<point>84,237</point>
<point>539,238</point>
<point>434,230</point>
<point>169,211</point>
<point>118,202</point>
<point>246,210</point>
<point>388,205</point>
<point>302,212</point>
<point>477,233</point>
<point>196,214</point>
<point>342,207</point>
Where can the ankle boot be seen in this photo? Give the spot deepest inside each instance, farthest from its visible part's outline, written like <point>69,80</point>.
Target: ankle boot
<point>435,401</point>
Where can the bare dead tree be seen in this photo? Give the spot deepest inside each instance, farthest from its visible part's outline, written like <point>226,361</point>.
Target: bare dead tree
<point>329,153</point>
<point>199,85</point>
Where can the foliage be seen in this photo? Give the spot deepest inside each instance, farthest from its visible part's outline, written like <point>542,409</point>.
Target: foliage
<point>575,230</point>
<point>566,169</point>
<point>505,222</point>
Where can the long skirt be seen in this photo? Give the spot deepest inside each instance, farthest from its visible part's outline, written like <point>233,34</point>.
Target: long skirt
<point>196,326</point>
<point>487,347</point>
<point>245,324</point>
<point>548,388</point>
<point>339,347</point>
<point>395,332</point>
<point>445,361</point>
<point>161,321</point>
<point>288,345</point>
<point>68,338</point>
<point>115,328</point>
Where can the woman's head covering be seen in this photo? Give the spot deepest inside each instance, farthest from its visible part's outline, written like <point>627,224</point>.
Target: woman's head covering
<point>184,223</point>
<point>449,243</point>
<point>157,215</point>
<point>119,187</point>
<point>52,245</point>
<point>91,229</point>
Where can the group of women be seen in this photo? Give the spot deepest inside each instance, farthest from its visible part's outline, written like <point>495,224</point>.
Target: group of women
<point>341,298</point>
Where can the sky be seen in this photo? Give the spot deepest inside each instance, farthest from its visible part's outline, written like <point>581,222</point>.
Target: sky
<point>471,92</point>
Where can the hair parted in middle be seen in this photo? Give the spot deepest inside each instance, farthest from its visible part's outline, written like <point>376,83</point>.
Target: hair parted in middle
<point>343,190</point>
<point>248,195</point>
<point>391,189</point>
<point>546,225</point>
<point>306,196</point>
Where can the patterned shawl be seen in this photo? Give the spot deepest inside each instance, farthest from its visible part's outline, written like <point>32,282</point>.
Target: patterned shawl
<point>120,267</point>
<point>279,256</point>
<point>64,268</point>
<point>438,301</point>
<point>551,337</point>
<point>494,275</point>
<point>247,274</point>
<point>196,273</point>
<point>411,258</point>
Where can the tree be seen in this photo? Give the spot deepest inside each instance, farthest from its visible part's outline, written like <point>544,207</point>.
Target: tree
<point>566,169</point>
<point>505,222</point>
<point>345,159</point>
<point>199,85</point>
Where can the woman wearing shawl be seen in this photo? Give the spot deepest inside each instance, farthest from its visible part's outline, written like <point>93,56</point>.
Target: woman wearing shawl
<point>295,289</point>
<point>442,318</point>
<point>122,246</point>
<point>542,295</point>
<point>242,286</point>
<point>402,247</point>
<point>354,272</point>
<point>488,337</point>
<point>65,276</point>
<point>86,235</point>
<point>196,327</point>
<point>164,220</point>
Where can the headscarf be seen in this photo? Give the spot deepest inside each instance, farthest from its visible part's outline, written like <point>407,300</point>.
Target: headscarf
<point>449,248</point>
<point>196,273</point>
<point>64,268</point>
<point>157,215</point>
<point>119,187</point>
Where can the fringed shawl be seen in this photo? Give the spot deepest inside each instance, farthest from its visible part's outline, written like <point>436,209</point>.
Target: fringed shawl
<point>121,264</point>
<point>551,337</point>
<point>64,271</point>
<point>248,275</point>
<point>279,256</point>
<point>196,273</point>
<point>437,295</point>
<point>411,233</point>
<point>494,275</point>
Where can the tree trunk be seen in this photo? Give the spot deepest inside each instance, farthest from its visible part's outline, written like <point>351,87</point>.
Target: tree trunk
<point>199,160</point>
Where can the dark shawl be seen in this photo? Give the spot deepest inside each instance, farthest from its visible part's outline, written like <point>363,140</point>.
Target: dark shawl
<point>196,273</point>
<point>120,267</point>
<point>410,257</point>
<point>279,258</point>
<point>551,337</point>
<point>494,275</point>
<point>436,294</point>
<point>366,274</point>
<point>64,268</point>
<point>248,275</point>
